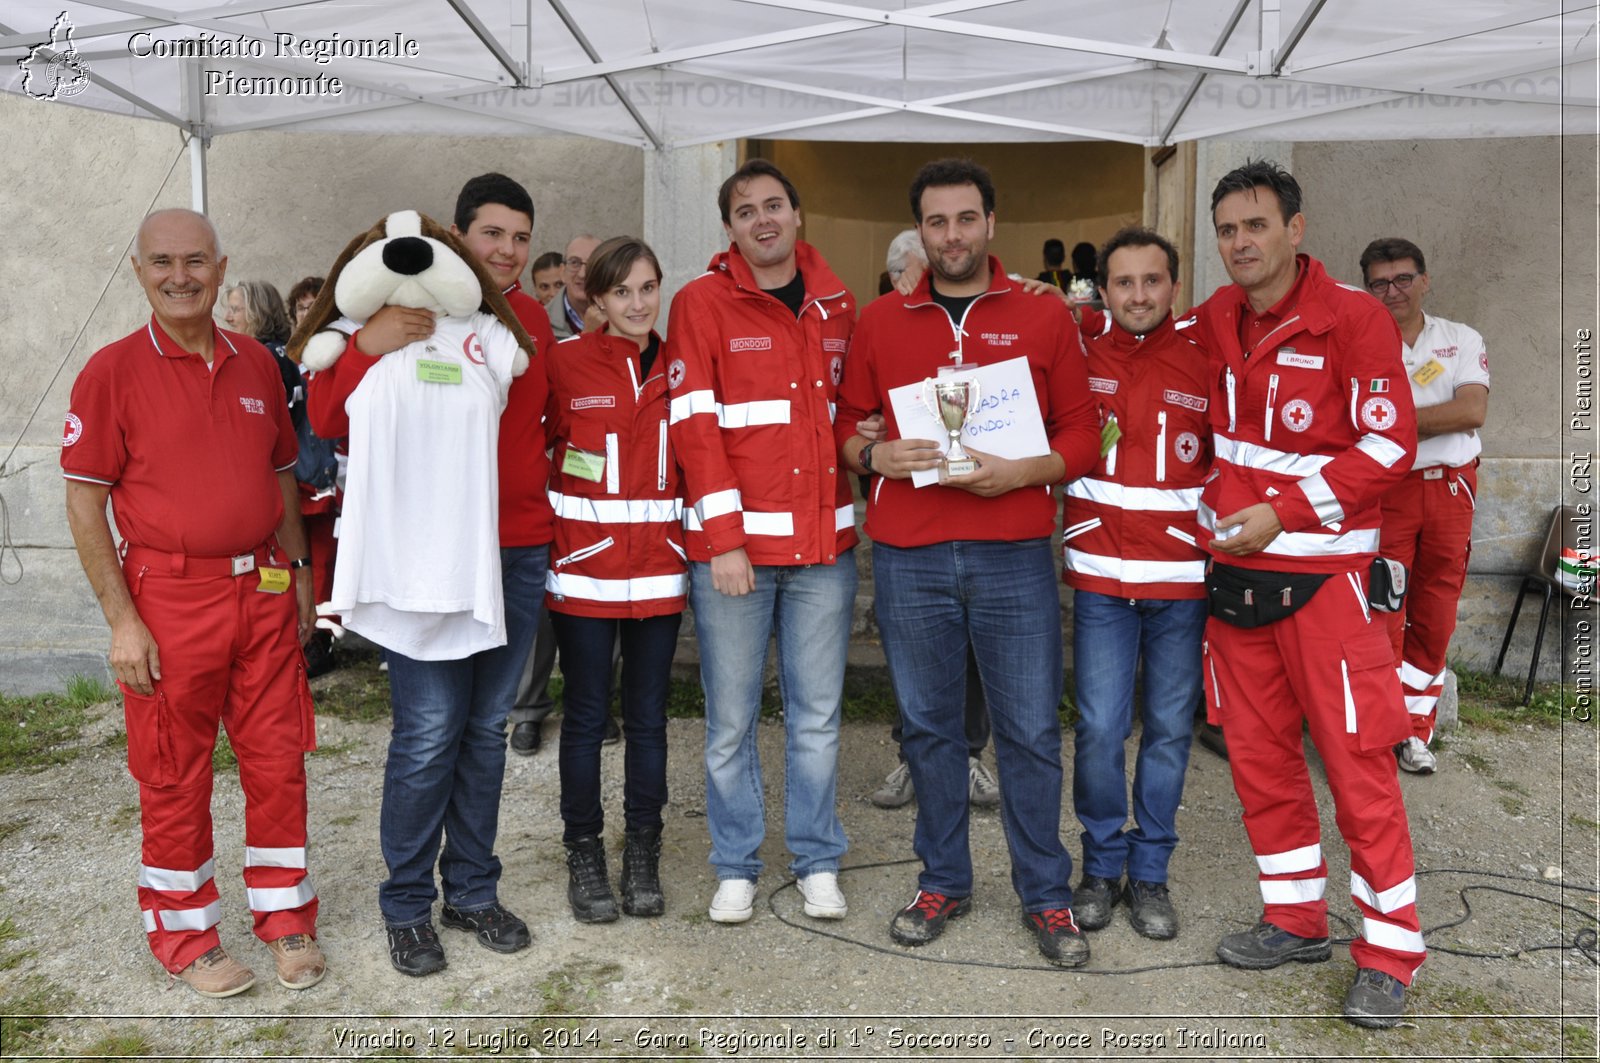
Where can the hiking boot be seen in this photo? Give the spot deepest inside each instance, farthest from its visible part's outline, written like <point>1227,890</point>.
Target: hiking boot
<point>1376,1000</point>
<point>1150,910</point>
<point>415,950</point>
<point>497,929</point>
<point>588,888</point>
<point>735,901</point>
<point>824,899</point>
<point>924,918</point>
<point>319,654</point>
<point>216,974</point>
<point>1416,757</point>
<point>1061,943</point>
<point>1093,900</point>
<point>641,874</point>
<point>982,789</point>
<point>1264,946</point>
<point>896,791</point>
<point>300,962</point>
<point>526,738</point>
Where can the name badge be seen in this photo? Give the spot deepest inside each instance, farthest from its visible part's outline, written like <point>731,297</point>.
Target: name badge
<point>1109,436</point>
<point>438,372</point>
<point>1429,372</point>
<point>274,580</point>
<point>584,464</point>
<point>1290,356</point>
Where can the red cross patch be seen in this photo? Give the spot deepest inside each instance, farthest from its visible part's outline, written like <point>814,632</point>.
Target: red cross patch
<point>472,347</point>
<point>73,431</point>
<point>1378,414</point>
<point>675,373</point>
<point>836,369</point>
<point>1187,447</point>
<point>1297,415</point>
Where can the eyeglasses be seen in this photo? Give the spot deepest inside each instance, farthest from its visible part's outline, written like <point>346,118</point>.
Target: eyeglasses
<point>575,263</point>
<point>1402,281</point>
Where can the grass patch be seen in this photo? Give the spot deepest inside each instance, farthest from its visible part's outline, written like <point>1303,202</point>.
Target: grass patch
<point>1583,822</point>
<point>1494,701</point>
<point>22,1008</point>
<point>1577,1041</point>
<point>86,690</point>
<point>222,755</point>
<point>277,1031</point>
<point>337,749</point>
<point>355,691</point>
<point>1476,761</point>
<point>120,1045</point>
<point>39,732</point>
<point>343,821</point>
<point>124,817</point>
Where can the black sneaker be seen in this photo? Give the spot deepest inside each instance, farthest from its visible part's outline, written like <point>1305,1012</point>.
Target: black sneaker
<point>415,950</point>
<point>1376,1000</point>
<point>319,654</point>
<point>497,929</point>
<point>923,919</point>
<point>641,874</point>
<point>1060,940</point>
<point>588,887</point>
<point>526,738</point>
<point>1264,946</point>
<point>1150,910</point>
<point>1093,900</point>
<point>613,733</point>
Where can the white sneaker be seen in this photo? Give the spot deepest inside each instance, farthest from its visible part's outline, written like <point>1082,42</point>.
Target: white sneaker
<point>1416,757</point>
<point>982,789</point>
<point>735,901</point>
<point>824,900</point>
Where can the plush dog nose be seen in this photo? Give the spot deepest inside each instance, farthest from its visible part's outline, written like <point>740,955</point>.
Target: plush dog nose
<point>407,256</point>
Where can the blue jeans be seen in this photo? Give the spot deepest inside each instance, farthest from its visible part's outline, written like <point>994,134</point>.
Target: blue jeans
<point>932,601</point>
<point>447,756</point>
<point>810,606</point>
<point>1110,635</point>
<point>647,647</point>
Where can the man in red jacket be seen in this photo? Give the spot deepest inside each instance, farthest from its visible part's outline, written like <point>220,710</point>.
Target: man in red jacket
<point>1312,421</point>
<point>447,751</point>
<point>1131,555</point>
<point>969,561</point>
<point>755,355</point>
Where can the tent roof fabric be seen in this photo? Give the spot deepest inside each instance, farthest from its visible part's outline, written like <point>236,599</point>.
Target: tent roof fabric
<point>659,73</point>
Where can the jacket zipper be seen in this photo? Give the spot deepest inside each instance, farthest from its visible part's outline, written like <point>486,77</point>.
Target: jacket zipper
<point>661,459</point>
<point>1272,397</point>
<point>587,551</point>
<point>1161,446</point>
<point>1232,406</point>
<point>1355,396</point>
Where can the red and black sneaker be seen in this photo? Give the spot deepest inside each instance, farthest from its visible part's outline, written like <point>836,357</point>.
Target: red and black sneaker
<point>923,919</point>
<point>1060,940</point>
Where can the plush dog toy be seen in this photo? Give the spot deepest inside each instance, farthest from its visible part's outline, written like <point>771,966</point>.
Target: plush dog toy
<point>418,569</point>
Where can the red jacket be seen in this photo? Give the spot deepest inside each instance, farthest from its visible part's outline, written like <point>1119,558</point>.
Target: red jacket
<point>1318,421</point>
<point>905,339</point>
<point>525,517</point>
<point>752,413</point>
<point>1129,529</point>
<point>618,550</point>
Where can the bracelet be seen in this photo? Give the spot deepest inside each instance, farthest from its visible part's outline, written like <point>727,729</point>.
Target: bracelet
<point>300,562</point>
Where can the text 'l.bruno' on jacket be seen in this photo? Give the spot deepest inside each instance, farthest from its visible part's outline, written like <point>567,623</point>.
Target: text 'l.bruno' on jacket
<point>753,393</point>
<point>614,484</point>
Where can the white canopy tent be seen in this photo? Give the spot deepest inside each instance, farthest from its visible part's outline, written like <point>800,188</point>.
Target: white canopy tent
<point>670,73</point>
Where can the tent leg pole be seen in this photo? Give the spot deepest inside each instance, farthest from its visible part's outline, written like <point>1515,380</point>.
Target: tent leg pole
<point>197,173</point>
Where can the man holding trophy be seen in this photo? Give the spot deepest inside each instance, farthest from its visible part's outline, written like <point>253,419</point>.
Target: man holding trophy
<point>987,405</point>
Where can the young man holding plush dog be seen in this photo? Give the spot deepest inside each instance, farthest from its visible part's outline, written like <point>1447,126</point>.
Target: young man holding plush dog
<point>431,782</point>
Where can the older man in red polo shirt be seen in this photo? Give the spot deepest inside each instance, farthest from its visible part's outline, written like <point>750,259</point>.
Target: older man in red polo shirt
<point>184,427</point>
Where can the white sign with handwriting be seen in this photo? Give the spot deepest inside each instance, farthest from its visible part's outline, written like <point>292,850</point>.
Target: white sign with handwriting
<point>1006,422</point>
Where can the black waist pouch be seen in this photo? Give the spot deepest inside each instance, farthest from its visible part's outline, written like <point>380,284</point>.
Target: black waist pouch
<point>1247,597</point>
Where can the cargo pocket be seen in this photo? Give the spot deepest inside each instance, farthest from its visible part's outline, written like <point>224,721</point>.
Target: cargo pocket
<point>308,713</point>
<point>150,756</point>
<point>1374,708</point>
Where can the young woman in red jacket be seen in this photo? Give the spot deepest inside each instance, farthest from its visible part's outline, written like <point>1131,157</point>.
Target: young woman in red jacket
<point>617,571</point>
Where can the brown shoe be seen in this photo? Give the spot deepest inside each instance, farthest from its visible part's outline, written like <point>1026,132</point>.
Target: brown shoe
<point>216,974</point>
<point>300,962</point>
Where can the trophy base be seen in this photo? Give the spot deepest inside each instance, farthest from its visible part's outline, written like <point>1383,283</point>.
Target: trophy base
<point>959,467</point>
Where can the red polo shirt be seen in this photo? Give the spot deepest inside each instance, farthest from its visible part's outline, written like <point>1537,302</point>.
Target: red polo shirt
<point>191,453</point>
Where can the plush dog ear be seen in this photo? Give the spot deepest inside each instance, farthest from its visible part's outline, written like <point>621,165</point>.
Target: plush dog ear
<point>324,310</point>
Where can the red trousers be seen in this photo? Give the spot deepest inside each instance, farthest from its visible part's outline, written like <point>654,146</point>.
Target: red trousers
<point>228,653</point>
<point>324,547</point>
<point>1329,665</point>
<point>1427,526</point>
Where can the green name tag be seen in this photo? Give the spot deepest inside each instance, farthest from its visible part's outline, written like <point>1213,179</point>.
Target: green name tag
<point>438,372</point>
<point>1109,436</point>
<point>584,464</point>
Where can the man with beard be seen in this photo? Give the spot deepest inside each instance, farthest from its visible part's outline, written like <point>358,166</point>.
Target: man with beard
<point>968,561</point>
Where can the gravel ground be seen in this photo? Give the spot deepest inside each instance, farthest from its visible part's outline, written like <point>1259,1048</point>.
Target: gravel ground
<point>1511,809</point>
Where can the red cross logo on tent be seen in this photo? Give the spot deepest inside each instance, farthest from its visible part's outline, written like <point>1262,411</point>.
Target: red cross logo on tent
<point>1187,446</point>
<point>1297,415</point>
<point>1378,414</point>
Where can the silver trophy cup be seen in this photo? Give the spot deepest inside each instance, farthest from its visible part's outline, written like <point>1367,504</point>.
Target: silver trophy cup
<point>952,402</point>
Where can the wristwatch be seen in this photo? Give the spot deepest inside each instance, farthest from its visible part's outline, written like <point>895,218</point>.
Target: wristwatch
<point>865,457</point>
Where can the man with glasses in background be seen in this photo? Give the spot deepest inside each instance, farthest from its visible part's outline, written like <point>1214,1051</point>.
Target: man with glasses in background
<point>567,312</point>
<point>1427,517</point>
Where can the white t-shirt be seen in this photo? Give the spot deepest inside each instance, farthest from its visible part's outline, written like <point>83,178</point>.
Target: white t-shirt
<point>418,569</point>
<point>1447,354</point>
